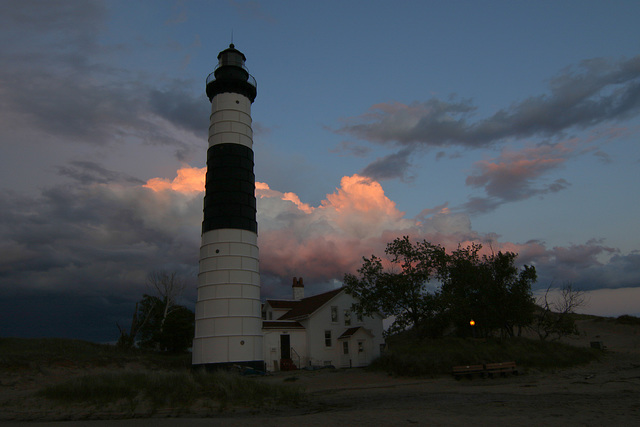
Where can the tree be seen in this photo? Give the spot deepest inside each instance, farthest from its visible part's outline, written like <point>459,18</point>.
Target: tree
<point>128,339</point>
<point>159,322</point>
<point>401,290</point>
<point>173,332</point>
<point>168,287</point>
<point>488,289</point>
<point>554,317</point>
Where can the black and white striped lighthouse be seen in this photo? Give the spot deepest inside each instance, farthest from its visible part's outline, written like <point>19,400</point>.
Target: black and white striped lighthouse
<point>228,313</point>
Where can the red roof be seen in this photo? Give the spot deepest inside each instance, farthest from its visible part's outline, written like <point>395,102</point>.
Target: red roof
<point>349,332</point>
<point>306,306</point>
<point>278,303</point>
<point>352,331</point>
<point>278,324</point>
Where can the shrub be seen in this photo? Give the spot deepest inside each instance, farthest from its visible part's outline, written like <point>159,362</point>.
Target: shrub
<point>626,319</point>
<point>436,356</point>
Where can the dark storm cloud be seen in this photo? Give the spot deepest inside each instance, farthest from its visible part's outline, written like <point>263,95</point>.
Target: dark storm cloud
<point>91,247</point>
<point>181,108</point>
<point>56,80</point>
<point>86,172</point>
<point>394,165</point>
<point>593,92</point>
<point>69,23</point>
<point>582,266</point>
<point>56,314</point>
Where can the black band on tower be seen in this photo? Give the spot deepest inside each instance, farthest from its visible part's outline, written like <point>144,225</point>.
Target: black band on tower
<point>219,86</point>
<point>230,200</point>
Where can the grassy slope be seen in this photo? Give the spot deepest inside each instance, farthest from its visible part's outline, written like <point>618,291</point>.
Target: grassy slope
<point>17,353</point>
<point>100,376</point>
<point>410,356</point>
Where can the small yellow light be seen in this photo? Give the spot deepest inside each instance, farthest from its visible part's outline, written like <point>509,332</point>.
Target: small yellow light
<point>472,322</point>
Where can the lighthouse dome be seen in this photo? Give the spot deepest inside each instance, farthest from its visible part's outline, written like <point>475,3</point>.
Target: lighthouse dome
<point>231,75</point>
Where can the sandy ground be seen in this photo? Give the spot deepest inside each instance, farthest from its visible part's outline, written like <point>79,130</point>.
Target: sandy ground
<point>602,393</point>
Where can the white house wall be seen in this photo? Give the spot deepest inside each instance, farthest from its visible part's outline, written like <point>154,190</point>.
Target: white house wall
<point>272,354</point>
<point>320,322</point>
<point>358,355</point>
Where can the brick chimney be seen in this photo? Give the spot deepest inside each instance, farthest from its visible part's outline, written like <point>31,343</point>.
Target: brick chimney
<point>298,289</point>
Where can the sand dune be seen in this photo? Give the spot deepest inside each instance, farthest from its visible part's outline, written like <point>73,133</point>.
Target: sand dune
<point>606,392</point>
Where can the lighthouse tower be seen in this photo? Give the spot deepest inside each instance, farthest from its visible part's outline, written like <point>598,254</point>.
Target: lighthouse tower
<point>228,313</point>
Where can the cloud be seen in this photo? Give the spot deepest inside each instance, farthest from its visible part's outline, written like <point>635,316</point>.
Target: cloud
<point>59,82</point>
<point>180,107</point>
<point>593,92</point>
<point>87,172</point>
<point>434,122</point>
<point>351,148</point>
<point>89,243</point>
<point>322,243</point>
<point>394,165</point>
<point>188,180</point>
<point>515,174</point>
<point>591,266</point>
<point>603,157</point>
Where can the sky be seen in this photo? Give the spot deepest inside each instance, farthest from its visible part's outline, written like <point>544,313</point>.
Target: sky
<point>510,124</point>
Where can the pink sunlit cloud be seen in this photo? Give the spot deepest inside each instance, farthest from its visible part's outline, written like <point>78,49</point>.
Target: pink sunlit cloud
<point>511,176</point>
<point>322,243</point>
<point>187,180</point>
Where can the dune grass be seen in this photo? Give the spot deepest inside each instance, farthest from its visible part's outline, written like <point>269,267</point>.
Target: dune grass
<point>135,378</point>
<point>172,389</point>
<point>24,353</point>
<point>412,357</point>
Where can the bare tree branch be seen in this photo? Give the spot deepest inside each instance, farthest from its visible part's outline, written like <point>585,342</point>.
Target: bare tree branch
<point>554,318</point>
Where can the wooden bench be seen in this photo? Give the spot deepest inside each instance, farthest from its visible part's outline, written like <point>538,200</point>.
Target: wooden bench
<point>502,369</point>
<point>467,370</point>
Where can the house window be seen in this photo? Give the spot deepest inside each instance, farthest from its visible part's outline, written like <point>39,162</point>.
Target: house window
<point>334,314</point>
<point>271,315</point>
<point>327,338</point>
<point>360,347</point>
<point>347,318</point>
<point>345,347</point>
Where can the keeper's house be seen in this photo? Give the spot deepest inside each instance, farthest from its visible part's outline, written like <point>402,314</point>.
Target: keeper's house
<point>318,331</point>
